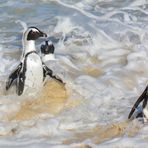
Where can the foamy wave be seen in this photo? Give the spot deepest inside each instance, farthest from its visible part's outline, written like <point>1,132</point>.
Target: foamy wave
<point>102,50</point>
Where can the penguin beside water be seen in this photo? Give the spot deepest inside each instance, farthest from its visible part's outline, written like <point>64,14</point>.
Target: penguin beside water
<point>143,113</point>
<point>47,51</point>
<point>31,72</point>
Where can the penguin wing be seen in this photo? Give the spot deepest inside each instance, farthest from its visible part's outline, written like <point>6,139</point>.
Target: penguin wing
<point>49,72</point>
<point>13,76</point>
<point>21,81</point>
<point>144,97</point>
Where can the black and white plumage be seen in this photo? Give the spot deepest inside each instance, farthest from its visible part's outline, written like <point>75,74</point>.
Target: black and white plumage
<point>31,72</point>
<point>144,110</point>
<point>47,51</point>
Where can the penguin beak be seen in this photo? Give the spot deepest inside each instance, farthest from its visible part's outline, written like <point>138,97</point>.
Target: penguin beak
<point>42,34</point>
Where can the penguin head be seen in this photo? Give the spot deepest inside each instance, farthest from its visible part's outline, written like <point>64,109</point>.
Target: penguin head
<point>33,33</point>
<point>47,48</point>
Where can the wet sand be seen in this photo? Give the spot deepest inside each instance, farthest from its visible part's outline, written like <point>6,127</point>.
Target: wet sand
<point>51,101</point>
<point>101,133</point>
<point>92,71</point>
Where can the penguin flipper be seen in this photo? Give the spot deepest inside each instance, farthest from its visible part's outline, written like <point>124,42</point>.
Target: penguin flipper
<point>13,76</point>
<point>144,97</point>
<point>20,82</point>
<point>49,72</point>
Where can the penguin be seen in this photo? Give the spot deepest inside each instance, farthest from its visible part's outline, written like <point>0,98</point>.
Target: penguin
<point>47,51</point>
<point>47,54</point>
<point>30,74</point>
<point>143,113</point>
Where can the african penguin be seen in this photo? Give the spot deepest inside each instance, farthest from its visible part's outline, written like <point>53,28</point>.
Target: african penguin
<point>47,52</point>
<point>31,72</point>
<point>143,113</point>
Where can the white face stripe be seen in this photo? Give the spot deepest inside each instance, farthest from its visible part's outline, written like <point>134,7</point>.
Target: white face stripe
<point>34,29</point>
<point>28,45</point>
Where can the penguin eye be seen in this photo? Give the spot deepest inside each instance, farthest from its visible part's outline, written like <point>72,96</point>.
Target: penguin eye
<point>32,32</point>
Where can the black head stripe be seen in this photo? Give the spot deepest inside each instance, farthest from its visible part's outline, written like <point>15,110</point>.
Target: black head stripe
<point>32,35</point>
<point>34,27</point>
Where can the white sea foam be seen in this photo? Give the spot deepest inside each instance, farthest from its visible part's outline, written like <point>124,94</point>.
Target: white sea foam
<point>23,24</point>
<point>108,36</point>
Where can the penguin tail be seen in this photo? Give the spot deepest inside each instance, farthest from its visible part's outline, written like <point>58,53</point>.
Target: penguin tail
<point>144,96</point>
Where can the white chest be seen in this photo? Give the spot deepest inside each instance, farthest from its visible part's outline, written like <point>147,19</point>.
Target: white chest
<point>48,57</point>
<point>34,73</point>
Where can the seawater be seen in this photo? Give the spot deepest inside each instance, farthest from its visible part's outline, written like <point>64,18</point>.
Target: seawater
<point>101,50</point>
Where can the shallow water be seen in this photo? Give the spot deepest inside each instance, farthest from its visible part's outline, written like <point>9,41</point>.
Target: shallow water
<point>101,51</point>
